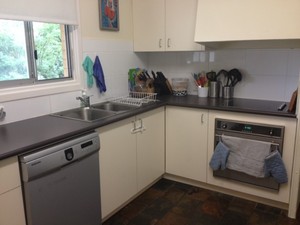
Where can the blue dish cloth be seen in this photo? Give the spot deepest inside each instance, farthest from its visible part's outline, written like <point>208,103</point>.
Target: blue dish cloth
<point>274,166</point>
<point>88,68</point>
<point>99,75</point>
<point>219,158</point>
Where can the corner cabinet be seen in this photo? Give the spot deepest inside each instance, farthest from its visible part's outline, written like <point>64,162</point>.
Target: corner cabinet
<point>164,25</point>
<point>234,20</point>
<point>186,142</point>
<point>11,200</point>
<point>131,157</point>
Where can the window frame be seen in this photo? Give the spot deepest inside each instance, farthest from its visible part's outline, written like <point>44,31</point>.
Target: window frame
<point>28,89</point>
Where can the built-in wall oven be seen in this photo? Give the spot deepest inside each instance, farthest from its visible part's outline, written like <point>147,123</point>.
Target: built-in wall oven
<point>244,130</point>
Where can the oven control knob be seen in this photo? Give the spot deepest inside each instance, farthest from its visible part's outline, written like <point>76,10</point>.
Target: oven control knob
<point>224,126</point>
<point>271,132</point>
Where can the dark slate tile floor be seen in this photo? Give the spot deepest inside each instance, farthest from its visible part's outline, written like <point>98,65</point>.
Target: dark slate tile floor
<point>172,203</point>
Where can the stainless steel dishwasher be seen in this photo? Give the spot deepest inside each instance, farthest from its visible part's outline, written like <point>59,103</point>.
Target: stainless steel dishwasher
<point>61,183</point>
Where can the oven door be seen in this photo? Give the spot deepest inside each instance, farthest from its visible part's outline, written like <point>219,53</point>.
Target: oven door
<point>258,132</point>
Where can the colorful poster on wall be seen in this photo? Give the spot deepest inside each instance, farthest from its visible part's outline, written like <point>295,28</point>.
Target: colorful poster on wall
<point>109,15</point>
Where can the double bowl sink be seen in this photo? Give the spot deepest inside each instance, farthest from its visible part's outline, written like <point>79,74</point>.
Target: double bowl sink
<point>95,112</point>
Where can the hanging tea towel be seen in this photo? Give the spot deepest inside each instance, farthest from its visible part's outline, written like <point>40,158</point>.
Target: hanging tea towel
<point>88,68</point>
<point>99,75</point>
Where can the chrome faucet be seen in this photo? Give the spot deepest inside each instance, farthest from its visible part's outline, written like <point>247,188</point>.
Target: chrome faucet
<point>84,100</point>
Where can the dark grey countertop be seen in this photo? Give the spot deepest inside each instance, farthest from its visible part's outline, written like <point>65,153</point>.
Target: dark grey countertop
<point>22,136</point>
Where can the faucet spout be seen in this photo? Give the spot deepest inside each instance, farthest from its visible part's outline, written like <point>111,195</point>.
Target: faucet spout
<point>84,100</point>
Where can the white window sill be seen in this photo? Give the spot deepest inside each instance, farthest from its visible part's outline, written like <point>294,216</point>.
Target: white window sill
<point>17,93</point>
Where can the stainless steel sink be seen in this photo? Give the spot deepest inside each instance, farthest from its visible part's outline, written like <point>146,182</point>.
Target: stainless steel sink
<point>85,114</point>
<point>113,106</point>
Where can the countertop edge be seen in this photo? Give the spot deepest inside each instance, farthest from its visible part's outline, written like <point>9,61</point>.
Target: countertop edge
<point>83,127</point>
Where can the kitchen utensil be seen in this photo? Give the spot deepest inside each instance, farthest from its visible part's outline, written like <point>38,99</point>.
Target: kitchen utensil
<point>229,80</point>
<point>222,75</point>
<point>200,79</point>
<point>236,76</point>
<point>212,76</point>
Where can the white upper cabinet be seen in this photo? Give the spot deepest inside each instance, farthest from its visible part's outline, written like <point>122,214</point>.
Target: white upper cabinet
<point>164,25</point>
<point>268,22</point>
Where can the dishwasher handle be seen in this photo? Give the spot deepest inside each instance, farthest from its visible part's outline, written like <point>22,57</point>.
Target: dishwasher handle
<point>45,161</point>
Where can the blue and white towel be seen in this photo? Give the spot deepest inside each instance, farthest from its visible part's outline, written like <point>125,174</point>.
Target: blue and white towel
<point>247,156</point>
<point>99,75</point>
<point>274,166</point>
<point>219,158</point>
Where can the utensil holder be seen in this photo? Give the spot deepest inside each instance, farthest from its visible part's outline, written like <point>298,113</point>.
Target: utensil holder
<point>202,92</point>
<point>228,92</point>
<point>214,88</point>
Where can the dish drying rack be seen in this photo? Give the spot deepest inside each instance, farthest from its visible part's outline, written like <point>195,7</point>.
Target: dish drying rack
<point>136,98</point>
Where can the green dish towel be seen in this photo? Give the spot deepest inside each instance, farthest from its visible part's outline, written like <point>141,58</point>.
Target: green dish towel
<point>88,68</point>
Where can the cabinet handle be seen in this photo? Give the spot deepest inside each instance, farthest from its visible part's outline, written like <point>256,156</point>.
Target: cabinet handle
<point>142,128</point>
<point>160,43</point>
<point>202,118</point>
<point>139,129</point>
<point>134,130</point>
<point>169,43</point>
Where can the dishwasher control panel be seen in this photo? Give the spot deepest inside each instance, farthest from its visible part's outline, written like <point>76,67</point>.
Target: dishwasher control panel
<point>54,157</point>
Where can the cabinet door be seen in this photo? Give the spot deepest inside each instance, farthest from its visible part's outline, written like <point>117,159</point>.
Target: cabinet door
<point>180,25</point>
<point>117,165</point>
<point>9,174</point>
<point>233,20</point>
<point>150,147</point>
<point>186,142</point>
<point>11,208</point>
<point>149,25</point>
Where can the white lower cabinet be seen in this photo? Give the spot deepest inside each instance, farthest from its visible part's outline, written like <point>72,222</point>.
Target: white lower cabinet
<point>151,147</point>
<point>131,157</point>
<point>117,165</point>
<point>11,201</point>
<point>186,142</point>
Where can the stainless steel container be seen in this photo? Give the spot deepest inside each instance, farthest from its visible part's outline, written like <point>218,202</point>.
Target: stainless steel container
<point>214,89</point>
<point>228,92</point>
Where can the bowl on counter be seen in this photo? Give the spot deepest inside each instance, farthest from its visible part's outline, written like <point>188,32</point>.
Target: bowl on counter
<point>179,86</point>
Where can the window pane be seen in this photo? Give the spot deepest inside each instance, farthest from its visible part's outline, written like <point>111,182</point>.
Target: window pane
<point>50,46</point>
<point>13,57</point>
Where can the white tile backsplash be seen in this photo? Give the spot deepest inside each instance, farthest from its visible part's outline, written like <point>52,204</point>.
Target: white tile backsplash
<point>269,74</point>
<point>26,108</point>
<point>64,101</point>
<point>267,62</point>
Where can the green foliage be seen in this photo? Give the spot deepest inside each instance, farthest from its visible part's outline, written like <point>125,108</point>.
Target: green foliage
<point>48,44</point>
<point>12,59</point>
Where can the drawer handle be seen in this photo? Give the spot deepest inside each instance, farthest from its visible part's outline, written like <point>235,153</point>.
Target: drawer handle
<point>169,43</point>
<point>160,43</point>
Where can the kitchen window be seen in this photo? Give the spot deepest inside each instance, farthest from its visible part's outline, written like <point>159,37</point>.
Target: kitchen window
<point>34,53</point>
<point>40,48</point>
